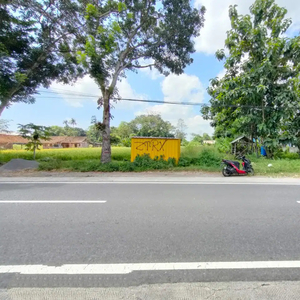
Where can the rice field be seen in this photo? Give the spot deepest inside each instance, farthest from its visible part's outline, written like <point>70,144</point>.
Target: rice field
<point>118,153</point>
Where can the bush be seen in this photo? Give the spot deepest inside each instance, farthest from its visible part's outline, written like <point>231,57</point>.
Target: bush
<point>49,165</point>
<point>144,162</point>
<point>184,162</point>
<point>209,158</point>
<point>223,145</point>
<point>280,154</point>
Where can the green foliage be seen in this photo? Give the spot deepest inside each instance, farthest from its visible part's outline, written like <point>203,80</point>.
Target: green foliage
<point>35,47</point>
<point>34,134</point>
<point>137,30</point>
<point>66,131</point>
<point>200,156</point>
<point>280,154</point>
<point>259,94</point>
<point>144,162</point>
<point>67,154</point>
<point>197,139</point>
<point>152,125</point>
<point>223,145</point>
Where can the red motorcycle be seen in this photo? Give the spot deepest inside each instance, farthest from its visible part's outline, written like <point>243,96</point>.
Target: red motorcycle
<point>230,167</point>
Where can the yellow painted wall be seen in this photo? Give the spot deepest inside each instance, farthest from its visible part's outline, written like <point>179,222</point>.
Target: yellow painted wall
<point>168,147</point>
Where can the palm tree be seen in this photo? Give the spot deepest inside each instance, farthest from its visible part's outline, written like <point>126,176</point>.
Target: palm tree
<point>73,122</point>
<point>66,123</point>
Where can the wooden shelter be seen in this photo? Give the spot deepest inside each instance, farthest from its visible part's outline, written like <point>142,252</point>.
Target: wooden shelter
<point>241,145</point>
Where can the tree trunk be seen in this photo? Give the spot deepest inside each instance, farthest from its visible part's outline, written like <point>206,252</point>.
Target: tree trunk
<point>106,148</point>
<point>2,107</point>
<point>34,152</point>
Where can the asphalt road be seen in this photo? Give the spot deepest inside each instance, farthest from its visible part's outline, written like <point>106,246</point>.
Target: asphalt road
<point>151,226</point>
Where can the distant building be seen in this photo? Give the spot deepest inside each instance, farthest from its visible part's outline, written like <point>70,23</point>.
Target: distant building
<point>7,141</point>
<point>66,142</point>
<point>209,142</point>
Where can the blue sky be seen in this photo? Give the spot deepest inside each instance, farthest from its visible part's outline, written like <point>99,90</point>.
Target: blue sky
<point>61,104</point>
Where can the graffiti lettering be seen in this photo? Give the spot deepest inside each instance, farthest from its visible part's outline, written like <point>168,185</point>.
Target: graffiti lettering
<point>151,145</point>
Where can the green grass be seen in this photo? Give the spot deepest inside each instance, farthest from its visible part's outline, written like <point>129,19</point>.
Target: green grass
<point>279,166</point>
<point>193,158</point>
<point>118,153</point>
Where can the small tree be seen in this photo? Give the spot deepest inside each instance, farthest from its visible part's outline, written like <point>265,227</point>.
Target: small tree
<point>34,134</point>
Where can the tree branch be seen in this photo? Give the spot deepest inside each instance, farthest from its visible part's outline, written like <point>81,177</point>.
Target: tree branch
<point>142,67</point>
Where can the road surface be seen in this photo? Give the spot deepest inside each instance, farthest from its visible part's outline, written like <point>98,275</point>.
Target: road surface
<point>119,234</point>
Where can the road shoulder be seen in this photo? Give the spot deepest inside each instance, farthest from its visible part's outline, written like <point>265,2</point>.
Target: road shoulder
<point>213,290</point>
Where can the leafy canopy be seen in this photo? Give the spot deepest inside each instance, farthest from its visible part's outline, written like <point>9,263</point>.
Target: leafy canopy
<point>259,95</point>
<point>36,47</point>
<point>138,34</point>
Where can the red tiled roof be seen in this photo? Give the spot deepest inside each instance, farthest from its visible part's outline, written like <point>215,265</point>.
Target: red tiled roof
<point>65,139</point>
<point>16,139</point>
<point>12,139</point>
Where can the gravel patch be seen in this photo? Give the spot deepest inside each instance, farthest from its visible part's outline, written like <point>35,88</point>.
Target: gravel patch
<point>19,164</point>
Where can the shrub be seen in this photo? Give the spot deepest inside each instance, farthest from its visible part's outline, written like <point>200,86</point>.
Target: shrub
<point>144,162</point>
<point>209,158</point>
<point>184,162</point>
<point>280,154</point>
<point>223,145</point>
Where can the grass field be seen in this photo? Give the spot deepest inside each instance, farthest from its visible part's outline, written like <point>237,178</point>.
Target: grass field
<point>118,153</point>
<point>197,158</point>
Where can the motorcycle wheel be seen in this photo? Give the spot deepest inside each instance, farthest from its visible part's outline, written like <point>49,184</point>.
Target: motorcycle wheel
<point>251,172</point>
<point>225,172</point>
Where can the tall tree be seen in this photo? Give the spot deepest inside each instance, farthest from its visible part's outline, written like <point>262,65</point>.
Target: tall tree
<point>152,125</point>
<point>36,46</point>
<point>73,122</point>
<point>56,130</point>
<point>260,91</point>
<point>160,32</point>
<point>180,132</point>
<point>206,137</point>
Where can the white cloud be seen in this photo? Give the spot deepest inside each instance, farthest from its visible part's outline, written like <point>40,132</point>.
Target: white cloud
<point>127,92</point>
<point>182,88</point>
<point>217,21</point>
<point>85,89</point>
<point>75,95</point>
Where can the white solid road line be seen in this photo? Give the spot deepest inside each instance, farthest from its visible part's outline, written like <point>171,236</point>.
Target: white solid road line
<point>52,201</point>
<point>100,269</point>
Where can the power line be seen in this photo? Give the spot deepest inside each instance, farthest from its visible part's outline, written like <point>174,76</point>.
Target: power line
<point>77,96</point>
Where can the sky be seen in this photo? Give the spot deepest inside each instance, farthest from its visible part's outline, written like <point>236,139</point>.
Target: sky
<point>60,103</point>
